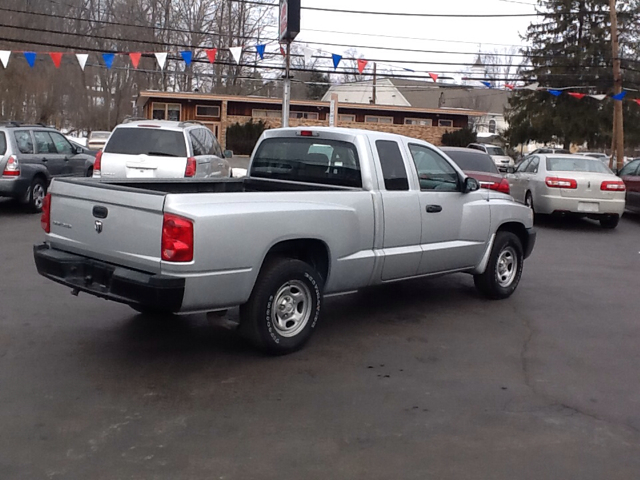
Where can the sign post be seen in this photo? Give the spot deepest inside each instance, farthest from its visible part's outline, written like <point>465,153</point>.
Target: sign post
<point>289,29</point>
<point>333,111</point>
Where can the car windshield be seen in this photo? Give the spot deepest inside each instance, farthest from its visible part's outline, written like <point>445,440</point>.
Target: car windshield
<point>495,151</point>
<point>147,141</point>
<point>576,164</point>
<point>3,143</point>
<point>472,161</point>
<point>100,135</point>
<point>308,160</point>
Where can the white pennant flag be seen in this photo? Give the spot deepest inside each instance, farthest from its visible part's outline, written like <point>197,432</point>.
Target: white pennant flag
<point>4,57</point>
<point>533,86</point>
<point>161,57</point>
<point>82,59</point>
<point>308,55</point>
<point>236,52</point>
<point>598,97</point>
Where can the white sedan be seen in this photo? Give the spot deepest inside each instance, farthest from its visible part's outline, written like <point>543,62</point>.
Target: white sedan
<point>569,184</point>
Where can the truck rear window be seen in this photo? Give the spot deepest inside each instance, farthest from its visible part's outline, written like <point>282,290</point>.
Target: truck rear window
<point>3,143</point>
<point>308,160</point>
<point>147,141</point>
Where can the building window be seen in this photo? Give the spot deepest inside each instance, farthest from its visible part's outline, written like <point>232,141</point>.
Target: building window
<point>267,113</point>
<point>425,122</point>
<point>376,119</point>
<point>492,126</point>
<point>207,111</point>
<point>445,123</point>
<point>167,111</point>
<point>347,118</point>
<point>304,115</point>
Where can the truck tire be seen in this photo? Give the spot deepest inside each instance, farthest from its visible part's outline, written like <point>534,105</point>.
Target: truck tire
<point>284,308</point>
<point>35,197</point>
<point>504,269</point>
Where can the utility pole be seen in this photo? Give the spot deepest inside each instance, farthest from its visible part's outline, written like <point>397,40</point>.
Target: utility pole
<point>375,81</point>
<point>618,123</point>
<point>286,97</point>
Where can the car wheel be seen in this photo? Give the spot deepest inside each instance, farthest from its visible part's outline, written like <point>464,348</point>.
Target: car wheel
<point>503,272</point>
<point>37,192</point>
<point>284,307</point>
<point>609,221</point>
<point>528,201</point>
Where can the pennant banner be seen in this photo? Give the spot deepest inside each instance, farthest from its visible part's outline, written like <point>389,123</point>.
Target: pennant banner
<point>308,55</point>
<point>510,86</point>
<point>161,58</point>
<point>108,59</point>
<point>236,53</point>
<point>135,59</point>
<point>598,97</point>
<point>211,54</point>
<point>260,50</point>
<point>434,77</point>
<point>619,96</point>
<point>31,58</point>
<point>336,60</point>
<point>533,86</point>
<point>487,84</point>
<point>82,59</point>
<point>637,100</point>
<point>4,57</point>
<point>57,58</point>
<point>555,93</point>
<point>362,64</point>
<point>577,95</point>
<point>187,56</point>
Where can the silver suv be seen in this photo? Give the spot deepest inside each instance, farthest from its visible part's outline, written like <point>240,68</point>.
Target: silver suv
<point>161,149</point>
<point>30,155</point>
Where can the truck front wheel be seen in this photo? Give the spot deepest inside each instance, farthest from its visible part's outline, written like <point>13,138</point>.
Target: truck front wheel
<point>284,307</point>
<point>504,269</point>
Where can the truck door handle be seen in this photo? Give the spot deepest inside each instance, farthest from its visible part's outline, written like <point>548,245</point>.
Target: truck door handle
<point>45,160</point>
<point>434,208</point>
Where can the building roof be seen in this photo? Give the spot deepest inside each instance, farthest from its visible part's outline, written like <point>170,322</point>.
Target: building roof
<point>144,97</point>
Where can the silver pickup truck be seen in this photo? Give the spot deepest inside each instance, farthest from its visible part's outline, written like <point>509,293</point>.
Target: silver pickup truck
<point>322,211</point>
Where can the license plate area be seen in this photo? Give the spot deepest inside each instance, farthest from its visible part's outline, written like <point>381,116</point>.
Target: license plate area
<point>588,207</point>
<point>140,172</point>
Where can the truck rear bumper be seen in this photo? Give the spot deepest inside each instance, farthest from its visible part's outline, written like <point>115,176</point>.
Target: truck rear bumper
<point>104,280</point>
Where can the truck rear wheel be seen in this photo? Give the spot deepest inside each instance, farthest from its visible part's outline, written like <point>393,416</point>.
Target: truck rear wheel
<point>504,269</point>
<point>284,307</point>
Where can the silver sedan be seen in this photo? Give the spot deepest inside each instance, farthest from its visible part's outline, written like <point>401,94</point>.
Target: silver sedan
<point>569,184</point>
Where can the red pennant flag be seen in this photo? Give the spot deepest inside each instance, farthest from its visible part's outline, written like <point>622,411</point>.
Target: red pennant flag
<point>510,86</point>
<point>637,100</point>
<point>362,64</point>
<point>434,77</point>
<point>135,59</point>
<point>211,53</point>
<point>57,58</point>
<point>284,54</point>
<point>577,95</point>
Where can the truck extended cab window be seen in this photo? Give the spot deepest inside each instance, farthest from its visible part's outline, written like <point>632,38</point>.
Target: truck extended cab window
<point>393,169</point>
<point>308,160</point>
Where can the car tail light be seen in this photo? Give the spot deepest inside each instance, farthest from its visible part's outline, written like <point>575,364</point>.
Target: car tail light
<point>45,218</point>
<point>12,168</point>
<point>97,164</point>
<point>503,186</point>
<point>613,186</point>
<point>177,239</point>
<point>555,182</point>
<point>190,171</point>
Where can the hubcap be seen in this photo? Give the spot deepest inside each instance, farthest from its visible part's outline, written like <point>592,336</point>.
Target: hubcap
<point>38,195</point>
<point>507,267</point>
<point>292,308</point>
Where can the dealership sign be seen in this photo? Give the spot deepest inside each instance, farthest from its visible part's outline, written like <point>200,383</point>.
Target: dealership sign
<point>289,20</point>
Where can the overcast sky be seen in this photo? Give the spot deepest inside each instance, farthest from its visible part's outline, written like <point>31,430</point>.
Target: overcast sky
<point>449,34</point>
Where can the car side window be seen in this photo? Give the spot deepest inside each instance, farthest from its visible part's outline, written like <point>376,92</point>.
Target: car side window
<point>533,165</point>
<point>217,148</point>
<point>393,169</point>
<point>523,166</point>
<point>197,142</point>
<point>44,144</point>
<point>630,170</point>
<point>24,141</point>
<point>434,172</point>
<point>62,144</point>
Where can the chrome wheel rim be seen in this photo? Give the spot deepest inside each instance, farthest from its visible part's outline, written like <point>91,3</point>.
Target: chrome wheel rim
<point>37,195</point>
<point>507,267</point>
<point>292,308</point>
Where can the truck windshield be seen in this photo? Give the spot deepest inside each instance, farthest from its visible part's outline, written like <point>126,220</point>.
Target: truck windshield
<point>308,160</point>
<point>3,143</point>
<point>147,141</point>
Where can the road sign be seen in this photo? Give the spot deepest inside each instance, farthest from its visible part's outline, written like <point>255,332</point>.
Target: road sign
<point>289,20</point>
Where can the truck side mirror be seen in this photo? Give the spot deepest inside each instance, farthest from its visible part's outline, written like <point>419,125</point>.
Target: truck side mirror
<point>470,185</point>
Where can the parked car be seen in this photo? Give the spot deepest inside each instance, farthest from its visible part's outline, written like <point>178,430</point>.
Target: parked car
<point>78,140</point>
<point>569,184</point>
<point>480,166</point>
<point>630,175</point>
<point>162,149</point>
<point>603,157</point>
<point>30,155</point>
<point>373,208</point>
<point>97,140</point>
<point>501,159</point>
<point>550,151</point>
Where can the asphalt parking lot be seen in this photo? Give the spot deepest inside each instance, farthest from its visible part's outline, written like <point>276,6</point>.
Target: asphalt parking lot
<point>410,381</point>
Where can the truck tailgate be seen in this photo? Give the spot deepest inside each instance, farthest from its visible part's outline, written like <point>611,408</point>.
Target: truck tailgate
<point>107,222</point>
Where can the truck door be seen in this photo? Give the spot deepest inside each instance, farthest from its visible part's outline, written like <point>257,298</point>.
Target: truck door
<point>401,207</point>
<point>455,225</point>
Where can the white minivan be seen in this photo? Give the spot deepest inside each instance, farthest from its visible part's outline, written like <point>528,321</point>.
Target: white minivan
<point>161,149</point>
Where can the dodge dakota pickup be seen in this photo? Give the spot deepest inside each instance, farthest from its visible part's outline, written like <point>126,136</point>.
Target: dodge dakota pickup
<point>322,211</point>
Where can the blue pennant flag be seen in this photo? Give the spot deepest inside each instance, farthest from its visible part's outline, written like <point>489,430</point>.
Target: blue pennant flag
<point>31,58</point>
<point>336,60</point>
<point>619,96</point>
<point>187,56</point>
<point>108,59</point>
<point>260,50</point>
<point>487,84</point>
<point>555,93</point>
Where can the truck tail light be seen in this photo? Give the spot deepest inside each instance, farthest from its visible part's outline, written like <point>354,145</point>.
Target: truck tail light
<point>192,164</point>
<point>97,165</point>
<point>177,239</point>
<point>613,186</point>
<point>555,182</point>
<point>45,218</point>
<point>12,168</point>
